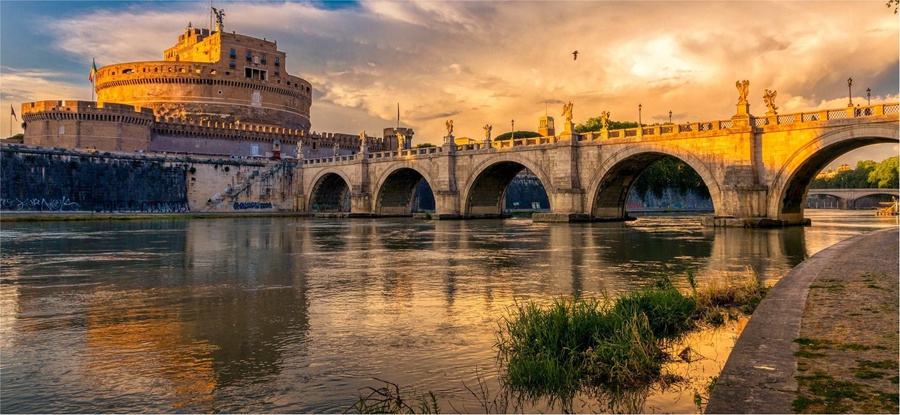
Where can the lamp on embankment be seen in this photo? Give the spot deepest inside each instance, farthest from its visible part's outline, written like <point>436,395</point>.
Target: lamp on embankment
<point>868,96</point>
<point>850,91</point>
<point>670,117</point>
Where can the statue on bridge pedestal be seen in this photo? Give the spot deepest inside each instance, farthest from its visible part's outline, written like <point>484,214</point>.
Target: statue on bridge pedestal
<point>743,88</point>
<point>567,112</point>
<point>401,141</point>
<point>487,133</point>
<point>604,120</point>
<point>769,98</point>
<point>337,149</point>
<point>449,125</point>
<point>299,149</point>
<point>363,147</point>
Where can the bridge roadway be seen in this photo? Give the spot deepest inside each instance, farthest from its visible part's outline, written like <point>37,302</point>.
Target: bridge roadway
<point>757,169</point>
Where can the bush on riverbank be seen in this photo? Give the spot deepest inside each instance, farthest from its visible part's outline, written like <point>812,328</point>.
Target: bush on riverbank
<point>576,342</point>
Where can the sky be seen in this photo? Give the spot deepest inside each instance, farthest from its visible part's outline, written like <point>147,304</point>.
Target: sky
<point>481,62</point>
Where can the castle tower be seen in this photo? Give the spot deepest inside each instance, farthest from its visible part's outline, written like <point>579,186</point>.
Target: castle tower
<point>390,136</point>
<point>545,126</point>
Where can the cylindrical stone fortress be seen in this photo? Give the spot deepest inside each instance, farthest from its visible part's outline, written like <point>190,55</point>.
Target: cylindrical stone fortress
<point>212,76</point>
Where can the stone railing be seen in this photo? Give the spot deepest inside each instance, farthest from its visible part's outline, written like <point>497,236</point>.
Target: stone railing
<point>665,130</point>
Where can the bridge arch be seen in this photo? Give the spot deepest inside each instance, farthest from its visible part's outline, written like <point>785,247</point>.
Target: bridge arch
<point>609,186</point>
<point>485,188</point>
<point>396,187</point>
<point>330,192</point>
<point>791,183</point>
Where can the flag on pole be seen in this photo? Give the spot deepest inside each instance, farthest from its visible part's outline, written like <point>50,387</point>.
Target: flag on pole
<point>12,112</point>
<point>93,70</point>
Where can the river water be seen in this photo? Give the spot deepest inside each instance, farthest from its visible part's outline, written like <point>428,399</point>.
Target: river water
<point>299,315</point>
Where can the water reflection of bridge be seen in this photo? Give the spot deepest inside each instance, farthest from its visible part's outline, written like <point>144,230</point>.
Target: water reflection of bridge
<point>757,169</point>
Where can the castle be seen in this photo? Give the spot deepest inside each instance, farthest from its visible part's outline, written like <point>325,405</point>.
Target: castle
<point>214,93</point>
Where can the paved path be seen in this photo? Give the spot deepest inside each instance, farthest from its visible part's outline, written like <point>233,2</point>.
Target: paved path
<point>760,375</point>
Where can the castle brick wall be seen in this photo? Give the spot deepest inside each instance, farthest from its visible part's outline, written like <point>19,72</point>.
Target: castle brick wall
<point>47,179</point>
<point>84,124</point>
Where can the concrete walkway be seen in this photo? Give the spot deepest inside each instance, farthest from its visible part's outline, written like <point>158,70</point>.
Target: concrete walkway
<point>760,375</point>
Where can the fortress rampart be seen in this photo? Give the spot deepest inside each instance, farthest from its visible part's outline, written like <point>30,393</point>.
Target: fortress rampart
<point>202,92</point>
<point>120,127</point>
<point>83,124</point>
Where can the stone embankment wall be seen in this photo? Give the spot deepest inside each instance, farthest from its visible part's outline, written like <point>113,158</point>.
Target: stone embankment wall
<point>50,179</point>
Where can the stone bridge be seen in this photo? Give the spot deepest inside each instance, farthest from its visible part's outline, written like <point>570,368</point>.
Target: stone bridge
<point>849,197</point>
<point>757,169</point>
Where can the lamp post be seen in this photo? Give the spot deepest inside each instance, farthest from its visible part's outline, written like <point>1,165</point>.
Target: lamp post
<point>868,96</point>
<point>850,91</point>
<point>640,124</point>
<point>512,131</point>
<point>670,117</point>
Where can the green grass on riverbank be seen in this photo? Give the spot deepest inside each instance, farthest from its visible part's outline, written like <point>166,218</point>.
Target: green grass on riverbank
<point>577,343</point>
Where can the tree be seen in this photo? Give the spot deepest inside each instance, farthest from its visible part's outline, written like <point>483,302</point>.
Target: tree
<point>886,175</point>
<point>423,145</point>
<point>518,134</point>
<point>669,172</point>
<point>596,124</point>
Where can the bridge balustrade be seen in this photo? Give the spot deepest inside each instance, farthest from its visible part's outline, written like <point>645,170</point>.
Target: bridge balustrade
<point>657,130</point>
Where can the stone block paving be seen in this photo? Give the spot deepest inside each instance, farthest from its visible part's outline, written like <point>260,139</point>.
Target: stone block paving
<point>825,340</point>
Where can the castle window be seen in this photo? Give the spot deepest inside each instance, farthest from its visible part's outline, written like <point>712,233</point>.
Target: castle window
<point>277,73</point>
<point>231,64</point>
<point>255,74</point>
<point>249,55</point>
<point>232,54</point>
<point>277,61</point>
<point>263,59</point>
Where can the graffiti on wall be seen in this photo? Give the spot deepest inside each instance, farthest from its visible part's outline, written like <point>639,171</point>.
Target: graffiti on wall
<point>38,204</point>
<point>252,205</point>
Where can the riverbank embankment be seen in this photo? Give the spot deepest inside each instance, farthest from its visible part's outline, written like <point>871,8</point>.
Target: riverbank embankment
<point>86,216</point>
<point>825,339</point>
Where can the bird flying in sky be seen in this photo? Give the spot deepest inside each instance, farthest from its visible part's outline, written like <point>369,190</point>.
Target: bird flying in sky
<point>575,55</point>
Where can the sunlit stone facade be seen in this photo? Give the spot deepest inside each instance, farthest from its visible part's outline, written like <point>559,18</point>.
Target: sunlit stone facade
<point>214,93</point>
<point>212,77</point>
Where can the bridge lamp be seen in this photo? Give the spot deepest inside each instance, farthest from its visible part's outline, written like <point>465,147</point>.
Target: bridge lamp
<point>512,135</point>
<point>670,117</point>
<point>850,91</point>
<point>868,96</point>
<point>640,124</point>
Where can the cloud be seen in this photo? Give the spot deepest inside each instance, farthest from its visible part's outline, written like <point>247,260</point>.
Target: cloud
<point>481,62</point>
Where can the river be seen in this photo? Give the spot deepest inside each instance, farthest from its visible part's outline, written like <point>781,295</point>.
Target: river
<point>299,315</point>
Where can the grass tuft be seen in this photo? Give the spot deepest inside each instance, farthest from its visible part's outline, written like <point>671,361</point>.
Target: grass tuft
<point>576,343</point>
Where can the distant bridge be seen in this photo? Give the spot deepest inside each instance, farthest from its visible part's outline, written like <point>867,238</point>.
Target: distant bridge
<point>848,197</point>
<point>757,169</point>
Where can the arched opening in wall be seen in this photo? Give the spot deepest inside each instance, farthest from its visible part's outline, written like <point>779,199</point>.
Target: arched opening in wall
<point>854,163</point>
<point>330,194</point>
<point>403,193</point>
<point>506,188</point>
<point>650,183</point>
<point>823,201</point>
